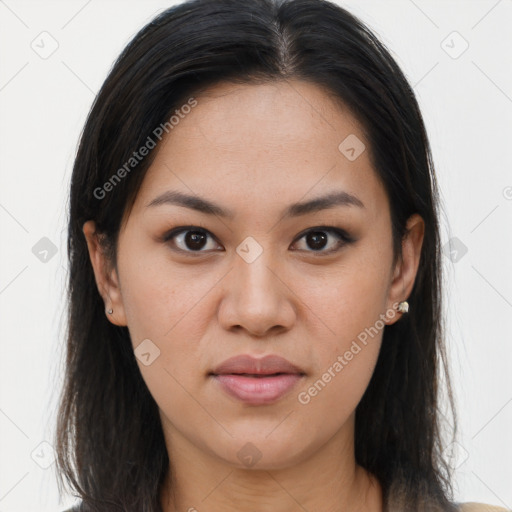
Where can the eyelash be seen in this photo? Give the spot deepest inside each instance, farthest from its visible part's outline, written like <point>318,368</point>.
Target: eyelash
<point>342,234</point>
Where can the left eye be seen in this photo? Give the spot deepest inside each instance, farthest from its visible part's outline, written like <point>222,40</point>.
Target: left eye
<point>193,239</point>
<point>318,238</point>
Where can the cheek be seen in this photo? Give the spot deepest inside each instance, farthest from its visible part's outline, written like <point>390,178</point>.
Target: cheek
<point>159,298</point>
<point>166,305</point>
<point>345,358</point>
<point>347,309</point>
<point>331,397</point>
<point>345,301</point>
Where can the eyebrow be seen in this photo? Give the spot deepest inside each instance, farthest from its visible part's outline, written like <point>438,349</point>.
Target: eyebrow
<point>173,197</point>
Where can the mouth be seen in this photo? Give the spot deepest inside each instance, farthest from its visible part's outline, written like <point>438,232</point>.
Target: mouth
<point>257,381</point>
<point>258,389</point>
<point>256,375</point>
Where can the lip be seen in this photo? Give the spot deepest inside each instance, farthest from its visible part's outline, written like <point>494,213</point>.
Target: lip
<point>257,381</point>
<point>246,363</point>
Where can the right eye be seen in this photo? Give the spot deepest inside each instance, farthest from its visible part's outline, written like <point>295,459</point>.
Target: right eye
<point>189,239</point>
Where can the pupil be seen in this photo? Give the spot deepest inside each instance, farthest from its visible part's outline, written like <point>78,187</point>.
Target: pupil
<point>315,239</point>
<point>195,239</point>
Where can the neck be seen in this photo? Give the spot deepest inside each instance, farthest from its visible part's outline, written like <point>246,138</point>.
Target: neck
<point>328,479</point>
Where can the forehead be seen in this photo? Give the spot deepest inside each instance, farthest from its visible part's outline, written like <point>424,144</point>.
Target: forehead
<point>278,142</point>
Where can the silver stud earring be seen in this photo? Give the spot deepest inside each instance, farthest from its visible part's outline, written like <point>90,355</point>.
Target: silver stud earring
<point>403,307</point>
<point>110,311</point>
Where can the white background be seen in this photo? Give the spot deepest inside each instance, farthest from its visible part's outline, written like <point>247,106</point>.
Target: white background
<point>467,106</point>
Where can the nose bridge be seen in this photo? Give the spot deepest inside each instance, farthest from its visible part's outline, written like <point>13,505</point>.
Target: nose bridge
<point>253,269</point>
<point>256,299</point>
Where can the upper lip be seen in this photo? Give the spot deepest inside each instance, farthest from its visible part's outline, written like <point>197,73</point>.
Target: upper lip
<point>267,365</point>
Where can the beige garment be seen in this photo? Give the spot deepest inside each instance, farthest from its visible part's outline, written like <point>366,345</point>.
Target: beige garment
<point>481,507</point>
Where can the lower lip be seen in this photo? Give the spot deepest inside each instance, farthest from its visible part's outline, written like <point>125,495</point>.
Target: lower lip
<point>258,390</point>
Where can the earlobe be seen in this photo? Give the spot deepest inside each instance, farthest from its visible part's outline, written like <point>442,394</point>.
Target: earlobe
<point>406,268</point>
<point>105,275</point>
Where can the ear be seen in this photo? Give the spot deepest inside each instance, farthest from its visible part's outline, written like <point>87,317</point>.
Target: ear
<point>105,275</point>
<point>405,271</point>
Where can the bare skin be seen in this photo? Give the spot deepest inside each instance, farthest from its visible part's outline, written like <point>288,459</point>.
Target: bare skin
<point>256,149</point>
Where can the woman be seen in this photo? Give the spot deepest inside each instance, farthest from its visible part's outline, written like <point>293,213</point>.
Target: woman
<point>255,304</point>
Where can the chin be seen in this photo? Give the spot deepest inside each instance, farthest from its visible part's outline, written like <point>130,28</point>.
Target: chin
<point>259,452</point>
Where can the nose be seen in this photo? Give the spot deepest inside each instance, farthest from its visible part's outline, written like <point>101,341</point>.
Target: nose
<point>257,298</point>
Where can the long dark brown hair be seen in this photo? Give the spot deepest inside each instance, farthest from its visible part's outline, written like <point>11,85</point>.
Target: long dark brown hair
<point>109,441</point>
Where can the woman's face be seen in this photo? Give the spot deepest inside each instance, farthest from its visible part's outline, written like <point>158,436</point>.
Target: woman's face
<point>254,282</point>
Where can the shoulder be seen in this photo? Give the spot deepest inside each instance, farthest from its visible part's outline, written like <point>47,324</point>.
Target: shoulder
<point>76,508</point>
<point>480,507</point>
